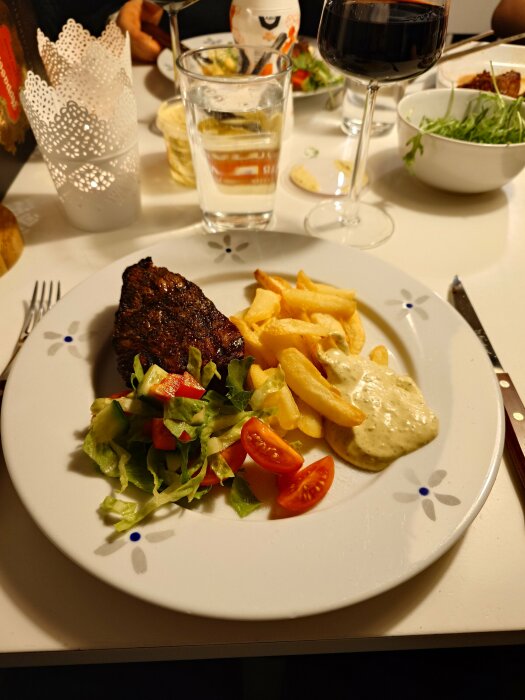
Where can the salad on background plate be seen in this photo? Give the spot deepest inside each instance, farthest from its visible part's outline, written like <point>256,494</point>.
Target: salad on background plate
<point>310,74</point>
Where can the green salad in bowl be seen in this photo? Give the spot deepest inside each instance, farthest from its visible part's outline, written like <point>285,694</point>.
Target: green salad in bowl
<point>461,140</point>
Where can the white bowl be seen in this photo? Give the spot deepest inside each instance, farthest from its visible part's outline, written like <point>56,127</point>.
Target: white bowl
<point>504,57</point>
<point>449,164</point>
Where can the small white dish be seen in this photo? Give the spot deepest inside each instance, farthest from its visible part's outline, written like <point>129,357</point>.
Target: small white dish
<point>324,176</point>
<point>504,57</point>
<point>450,164</point>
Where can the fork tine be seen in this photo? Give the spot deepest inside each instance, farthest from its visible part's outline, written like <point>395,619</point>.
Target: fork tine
<point>33,298</point>
<point>30,313</point>
<point>38,306</point>
<point>41,304</point>
<point>49,297</point>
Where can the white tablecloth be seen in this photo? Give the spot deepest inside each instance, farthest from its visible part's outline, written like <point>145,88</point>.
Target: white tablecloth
<point>52,611</point>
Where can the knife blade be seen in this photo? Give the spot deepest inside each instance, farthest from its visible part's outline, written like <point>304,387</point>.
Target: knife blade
<point>514,408</point>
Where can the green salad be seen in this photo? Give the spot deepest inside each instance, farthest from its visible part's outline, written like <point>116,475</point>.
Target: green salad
<point>310,73</point>
<point>488,119</point>
<point>174,441</point>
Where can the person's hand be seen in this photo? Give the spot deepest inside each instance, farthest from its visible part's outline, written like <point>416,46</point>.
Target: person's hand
<point>509,18</point>
<point>131,17</point>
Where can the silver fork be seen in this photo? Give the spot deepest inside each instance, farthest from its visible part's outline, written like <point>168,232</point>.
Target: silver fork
<point>44,296</point>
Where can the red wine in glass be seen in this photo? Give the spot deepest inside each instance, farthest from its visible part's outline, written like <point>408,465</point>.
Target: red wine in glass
<point>387,42</point>
<point>377,43</point>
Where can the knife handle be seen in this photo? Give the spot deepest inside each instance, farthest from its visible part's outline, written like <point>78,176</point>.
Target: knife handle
<point>515,424</point>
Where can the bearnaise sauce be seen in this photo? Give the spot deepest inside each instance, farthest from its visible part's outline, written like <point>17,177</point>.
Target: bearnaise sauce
<point>398,419</point>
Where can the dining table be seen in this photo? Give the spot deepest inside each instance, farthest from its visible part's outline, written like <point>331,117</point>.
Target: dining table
<point>52,611</point>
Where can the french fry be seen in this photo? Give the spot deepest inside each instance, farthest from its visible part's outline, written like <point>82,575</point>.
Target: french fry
<point>279,334</point>
<point>379,354</point>
<point>252,344</point>
<point>355,333</point>
<point>272,282</point>
<point>337,335</point>
<point>310,421</point>
<point>304,282</point>
<point>295,326</point>
<point>276,284</point>
<point>311,302</point>
<point>305,380</point>
<point>256,376</point>
<point>274,344</point>
<point>312,342</point>
<point>288,413</point>
<point>266,304</point>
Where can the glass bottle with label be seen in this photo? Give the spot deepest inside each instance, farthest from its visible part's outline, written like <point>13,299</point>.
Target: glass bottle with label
<point>272,22</point>
<point>18,52</point>
<point>264,21</point>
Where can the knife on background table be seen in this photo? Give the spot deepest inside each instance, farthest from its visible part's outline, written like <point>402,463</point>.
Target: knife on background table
<point>514,408</point>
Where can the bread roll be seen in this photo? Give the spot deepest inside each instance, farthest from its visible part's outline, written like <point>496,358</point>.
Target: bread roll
<point>11,241</point>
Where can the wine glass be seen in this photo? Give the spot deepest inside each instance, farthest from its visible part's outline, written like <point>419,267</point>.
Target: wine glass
<point>173,7</point>
<point>377,43</point>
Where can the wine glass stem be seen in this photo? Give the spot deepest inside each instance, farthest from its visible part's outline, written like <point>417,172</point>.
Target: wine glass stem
<point>175,43</point>
<point>358,171</point>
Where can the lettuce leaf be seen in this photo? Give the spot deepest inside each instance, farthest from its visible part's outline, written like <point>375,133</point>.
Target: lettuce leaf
<point>102,454</point>
<point>212,423</point>
<point>131,513</point>
<point>241,497</point>
<point>194,364</point>
<point>183,409</point>
<point>235,381</point>
<point>138,373</point>
<point>270,386</point>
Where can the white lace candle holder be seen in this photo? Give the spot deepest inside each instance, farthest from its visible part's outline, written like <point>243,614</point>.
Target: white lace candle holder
<point>86,127</point>
<point>89,70</point>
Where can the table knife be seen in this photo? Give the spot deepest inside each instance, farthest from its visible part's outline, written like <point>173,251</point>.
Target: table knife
<point>514,408</point>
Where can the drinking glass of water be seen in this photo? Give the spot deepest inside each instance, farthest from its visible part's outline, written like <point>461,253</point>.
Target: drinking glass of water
<point>235,99</point>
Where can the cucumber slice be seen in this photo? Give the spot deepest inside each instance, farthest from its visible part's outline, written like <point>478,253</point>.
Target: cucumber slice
<point>154,375</point>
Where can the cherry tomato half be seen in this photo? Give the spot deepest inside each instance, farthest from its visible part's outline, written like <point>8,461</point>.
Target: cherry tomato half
<point>304,489</point>
<point>268,449</point>
<point>234,455</point>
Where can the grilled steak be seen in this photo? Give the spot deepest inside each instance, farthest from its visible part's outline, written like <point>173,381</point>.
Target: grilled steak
<point>161,314</point>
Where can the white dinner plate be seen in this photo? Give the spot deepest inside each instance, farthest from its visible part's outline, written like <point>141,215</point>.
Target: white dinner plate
<point>370,533</point>
<point>165,59</point>
<point>504,57</point>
